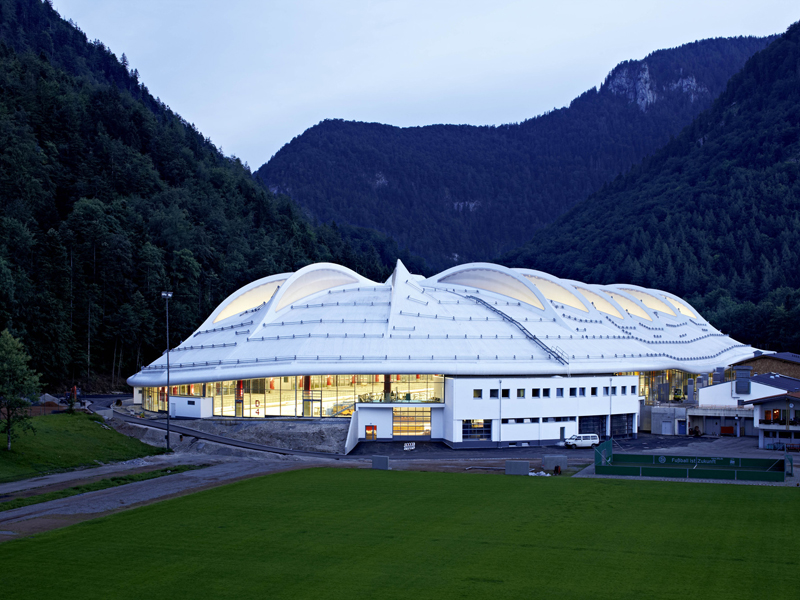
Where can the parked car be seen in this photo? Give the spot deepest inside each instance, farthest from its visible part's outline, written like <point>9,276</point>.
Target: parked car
<point>583,440</point>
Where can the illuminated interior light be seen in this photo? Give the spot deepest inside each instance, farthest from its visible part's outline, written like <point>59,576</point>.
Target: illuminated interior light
<point>682,308</point>
<point>629,305</point>
<point>555,292</point>
<point>249,299</point>
<point>495,281</point>
<point>312,282</point>
<point>600,303</point>
<point>650,301</point>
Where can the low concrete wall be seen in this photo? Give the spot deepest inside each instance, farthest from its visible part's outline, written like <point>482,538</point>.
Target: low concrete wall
<point>186,443</point>
<point>314,435</point>
<point>550,461</point>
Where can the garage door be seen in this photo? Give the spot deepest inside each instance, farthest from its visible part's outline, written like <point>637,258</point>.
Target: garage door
<point>666,427</point>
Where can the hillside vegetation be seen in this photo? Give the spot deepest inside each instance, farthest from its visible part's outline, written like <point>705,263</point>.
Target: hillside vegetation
<point>62,442</point>
<point>455,193</point>
<point>713,216</point>
<point>110,197</point>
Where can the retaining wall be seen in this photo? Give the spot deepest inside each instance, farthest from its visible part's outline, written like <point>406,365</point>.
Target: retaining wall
<point>313,435</point>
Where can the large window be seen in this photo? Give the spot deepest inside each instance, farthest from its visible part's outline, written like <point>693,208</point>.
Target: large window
<point>411,421</point>
<point>476,430</point>
<point>309,395</point>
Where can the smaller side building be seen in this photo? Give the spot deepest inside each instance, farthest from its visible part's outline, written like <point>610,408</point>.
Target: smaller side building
<point>781,363</point>
<point>776,414</point>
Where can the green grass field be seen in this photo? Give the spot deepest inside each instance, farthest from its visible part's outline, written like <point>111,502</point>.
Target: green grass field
<point>346,533</point>
<point>63,442</point>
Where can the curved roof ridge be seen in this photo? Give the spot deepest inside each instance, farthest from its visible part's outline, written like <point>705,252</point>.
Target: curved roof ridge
<point>498,279</point>
<point>313,279</point>
<point>246,294</point>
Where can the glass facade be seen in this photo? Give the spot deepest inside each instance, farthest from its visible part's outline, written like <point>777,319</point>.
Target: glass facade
<point>411,421</point>
<point>303,395</point>
<point>476,430</point>
<point>670,385</point>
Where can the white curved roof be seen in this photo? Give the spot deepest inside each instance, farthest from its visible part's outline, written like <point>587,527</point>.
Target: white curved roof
<point>474,319</point>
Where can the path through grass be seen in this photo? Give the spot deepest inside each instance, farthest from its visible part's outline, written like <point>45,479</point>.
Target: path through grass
<point>95,486</point>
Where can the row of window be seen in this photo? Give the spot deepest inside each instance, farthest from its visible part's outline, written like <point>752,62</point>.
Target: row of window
<point>782,434</point>
<point>536,420</point>
<point>574,392</point>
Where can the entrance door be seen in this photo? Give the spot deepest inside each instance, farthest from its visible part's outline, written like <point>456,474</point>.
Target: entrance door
<point>411,422</point>
<point>666,427</point>
<point>561,434</point>
<point>681,427</point>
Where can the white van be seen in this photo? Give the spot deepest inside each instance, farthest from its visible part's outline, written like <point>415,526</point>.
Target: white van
<point>583,440</point>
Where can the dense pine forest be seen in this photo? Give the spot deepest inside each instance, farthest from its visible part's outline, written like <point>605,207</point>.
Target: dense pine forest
<point>713,216</point>
<point>457,193</point>
<point>108,197</point>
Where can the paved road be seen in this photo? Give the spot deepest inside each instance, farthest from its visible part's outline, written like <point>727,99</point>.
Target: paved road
<point>66,511</point>
<point>79,475</point>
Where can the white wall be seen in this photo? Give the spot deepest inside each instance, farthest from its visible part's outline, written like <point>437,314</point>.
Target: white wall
<point>437,423</point>
<point>448,431</point>
<point>375,415</point>
<point>200,408</point>
<point>724,394</point>
<point>352,433</point>
<point>465,407</point>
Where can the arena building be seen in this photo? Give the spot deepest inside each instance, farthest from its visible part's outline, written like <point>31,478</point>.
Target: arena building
<point>478,355</point>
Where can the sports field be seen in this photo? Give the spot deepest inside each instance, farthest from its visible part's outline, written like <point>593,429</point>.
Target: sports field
<point>347,533</point>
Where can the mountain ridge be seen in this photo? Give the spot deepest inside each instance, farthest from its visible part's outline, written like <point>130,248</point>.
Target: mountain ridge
<point>713,216</point>
<point>457,192</point>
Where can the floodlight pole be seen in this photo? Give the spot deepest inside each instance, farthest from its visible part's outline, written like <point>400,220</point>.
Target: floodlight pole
<point>167,296</point>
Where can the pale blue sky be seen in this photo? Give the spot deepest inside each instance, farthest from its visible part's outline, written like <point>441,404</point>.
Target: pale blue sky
<point>252,75</point>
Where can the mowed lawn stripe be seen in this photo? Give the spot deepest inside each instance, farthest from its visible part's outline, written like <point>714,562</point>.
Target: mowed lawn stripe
<point>345,533</point>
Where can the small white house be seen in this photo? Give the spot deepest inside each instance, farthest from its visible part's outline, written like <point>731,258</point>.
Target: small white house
<point>190,407</point>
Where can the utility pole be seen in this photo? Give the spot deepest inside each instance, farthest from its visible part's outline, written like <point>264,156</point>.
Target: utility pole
<point>167,296</point>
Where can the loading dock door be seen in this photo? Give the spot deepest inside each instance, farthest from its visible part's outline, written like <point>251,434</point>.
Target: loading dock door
<point>666,427</point>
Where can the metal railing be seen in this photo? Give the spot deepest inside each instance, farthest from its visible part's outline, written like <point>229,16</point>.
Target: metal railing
<point>556,353</point>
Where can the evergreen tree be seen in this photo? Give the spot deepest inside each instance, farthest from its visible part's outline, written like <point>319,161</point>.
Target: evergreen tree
<point>18,384</point>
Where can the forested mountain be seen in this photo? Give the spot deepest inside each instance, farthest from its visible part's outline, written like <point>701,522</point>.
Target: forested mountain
<point>713,216</point>
<point>456,193</point>
<point>108,197</point>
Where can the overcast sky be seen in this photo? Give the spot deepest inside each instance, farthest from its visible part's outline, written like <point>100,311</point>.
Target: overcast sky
<point>251,75</point>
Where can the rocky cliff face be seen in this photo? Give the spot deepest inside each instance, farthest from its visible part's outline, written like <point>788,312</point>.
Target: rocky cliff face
<point>635,84</point>
<point>634,81</point>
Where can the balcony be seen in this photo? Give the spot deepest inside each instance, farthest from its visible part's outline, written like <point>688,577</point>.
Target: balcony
<point>394,398</point>
<point>792,424</point>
